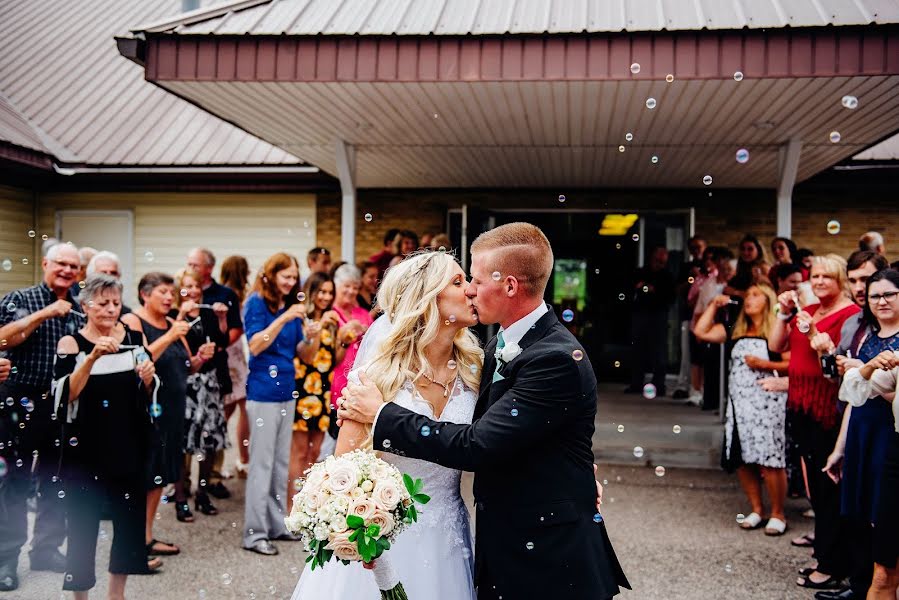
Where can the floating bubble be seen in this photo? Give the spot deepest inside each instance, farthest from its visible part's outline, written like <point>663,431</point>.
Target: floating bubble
<point>577,354</point>
<point>660,471</point>
<point>24,261</point>
<point>73,441</point>
<point>149,256</point>
<point>183,292</point>
<point>650,103</point>
<point>283,414</point>
<point>19,462</point>
<point>473,368</point>
<point>638,452</point>
<point>568,315</point>
<point>368,217</point>
<point>266,337</point>
<point>629,136</point>
<point>496,276</point>
<point>635,68</point>
<point>452,318</point>
<point>621,297</point>
<point>649,391</point>
<point>295,394</point>
<point>621,148</point>
<point>259,422</point>
<point>272,371</point>
<point>654,159</point>
<point>529,545</point>
<point>561,198</point>
<point>669,77</point>
<point>11,307</point>
<point>740,518</point>
<point>514,412</point>
<point>728,568</point>
<point>850,102</point>
<point>617,364</point>
<point>707,180</point>
<point>835,137</point>
<point>451,364</point>
<point>226,579</point>
<point>742,156</point>
<point>833,227</point>
<point>246,443</point>
<point>45,237</point>
<point>425,431</point>
<point>386,443</point>
<point>597,518</point>
<point>6,264</point>
<point>155,410</point>
<point>61,494</point>
<point>738,76</point>
<point>636,237</point>
<point>31,233</point>
<point>617,246</point>
<point>676,429</point>
<point>106,404</point>
<point>621,429</point>
<point>691,279</point>
<point>803,327</point>
<point>158,480</point>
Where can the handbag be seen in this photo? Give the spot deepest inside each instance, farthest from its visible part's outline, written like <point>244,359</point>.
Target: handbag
<point>730,462</point>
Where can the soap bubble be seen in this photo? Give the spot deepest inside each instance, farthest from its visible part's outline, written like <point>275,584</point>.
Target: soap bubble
<point>654,160</point>
<point>577,354</point>
<point>629,136</point>
<point>496,276</point>
<point>728,568</point>
<point>635,68</point>
<point>742,156</point>
<point>226,579</point>
<point>386,443</point>
<point>73,441</point>
<point>425,431</point>
<point>707,180</point>
<point>6,264</point>
<point>514,412</point>
<point>597,518</point>
<point>561,198</point>
<point>621,297</point>
<point>157,480</point>
<point>617,363</point>
<point>452,318</point>
<point>61,494</point>
<point>295,395</point>
<point>260,422</point>
<point>803,327</point>
<point>669,77</point>
<point>301,297</point>
<point>24,261</point>
<point>636,237</point>
<point>529,545</point>
<point>621,148</point>
<point>451,364</point>
<point>272,371</point>
<point>31,233</point>
<point>11,307</point>
<point>149,256</point>
<point>568,315</point>
<point>660,471</point>
<point>650,103</point>
<point>835,137</point>
<point>738,76</point>
<point>676,429</point>
<point>833,227</point>
<point>621,429</point>
<point>368,217</point>
<point>850,102</point>
<point>740,518</point>
<point>155,410</point>
<point>649,391</point>
<point>638,451</point>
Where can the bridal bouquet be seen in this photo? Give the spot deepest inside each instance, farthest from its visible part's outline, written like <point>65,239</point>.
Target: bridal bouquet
<point>351,507</point>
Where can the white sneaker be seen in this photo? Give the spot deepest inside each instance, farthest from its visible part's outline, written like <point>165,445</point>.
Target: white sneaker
<point>695,398</point>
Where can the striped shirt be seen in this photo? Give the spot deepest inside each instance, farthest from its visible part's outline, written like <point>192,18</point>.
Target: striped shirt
<point>33,359</point>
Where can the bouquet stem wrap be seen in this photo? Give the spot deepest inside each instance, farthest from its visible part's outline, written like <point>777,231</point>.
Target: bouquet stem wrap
<point>388,581</point>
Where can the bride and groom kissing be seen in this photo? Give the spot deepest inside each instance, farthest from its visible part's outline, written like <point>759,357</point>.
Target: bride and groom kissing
<point>519,414</point>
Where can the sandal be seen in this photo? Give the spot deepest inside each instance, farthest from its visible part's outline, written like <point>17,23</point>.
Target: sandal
<point>752,521</point>
<point>831,583</point>
<point>153,551</point>
<point>804,541</point>
<point>775,527</point>
<point>182,512</point>
<point>204,505</point>
<point>154,565</point>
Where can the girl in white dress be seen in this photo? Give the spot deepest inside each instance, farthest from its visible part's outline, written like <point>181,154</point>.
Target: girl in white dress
<point>424,358</point>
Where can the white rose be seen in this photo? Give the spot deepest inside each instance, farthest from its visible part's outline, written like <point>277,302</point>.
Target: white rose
<point>357,494</point>
<point>508,353</point>
<point>367,486</point>
<point>343,548</point>
<point>315,478</point>
<point>386,494</point>
<point>363,508</point>
<point>384,520</point>
<point>321,532</point>
<point>339,525</point>
<point>343,477</point>
<point>313,501</point>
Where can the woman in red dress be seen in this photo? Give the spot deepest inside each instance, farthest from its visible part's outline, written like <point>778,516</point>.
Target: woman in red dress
<point>812,404</point>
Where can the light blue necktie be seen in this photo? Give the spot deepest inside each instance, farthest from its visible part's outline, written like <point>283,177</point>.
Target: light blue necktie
<point>500,344</point>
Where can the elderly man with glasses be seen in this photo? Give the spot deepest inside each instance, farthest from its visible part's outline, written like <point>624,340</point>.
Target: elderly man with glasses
<point>107,263</point>
<point>32,321</point>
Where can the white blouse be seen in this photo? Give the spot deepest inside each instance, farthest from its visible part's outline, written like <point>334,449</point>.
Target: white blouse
<point>856,389</point>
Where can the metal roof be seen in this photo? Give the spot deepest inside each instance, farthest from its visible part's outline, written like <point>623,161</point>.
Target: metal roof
<point>61,70</point>
<point>888,149</point>
<point>485,17</point>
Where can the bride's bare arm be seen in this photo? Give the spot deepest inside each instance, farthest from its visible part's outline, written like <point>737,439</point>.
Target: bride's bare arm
<point>352,435</point>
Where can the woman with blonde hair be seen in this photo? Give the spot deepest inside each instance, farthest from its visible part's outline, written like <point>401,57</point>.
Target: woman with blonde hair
<point>756,418</point>
<point>422,356</point>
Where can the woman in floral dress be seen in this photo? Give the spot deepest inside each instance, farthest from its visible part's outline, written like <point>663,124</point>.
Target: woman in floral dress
<point>314,375</point>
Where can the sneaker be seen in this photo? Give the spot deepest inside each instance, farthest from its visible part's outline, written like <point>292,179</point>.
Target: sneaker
<point>695,398</point>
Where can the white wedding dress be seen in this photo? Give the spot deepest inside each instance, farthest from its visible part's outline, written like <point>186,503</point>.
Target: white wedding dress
<point>434,558</point>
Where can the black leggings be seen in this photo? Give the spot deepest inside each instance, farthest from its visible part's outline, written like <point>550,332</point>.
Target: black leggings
<point>127,502</point>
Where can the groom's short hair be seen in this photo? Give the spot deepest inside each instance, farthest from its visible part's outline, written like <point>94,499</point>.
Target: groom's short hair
<point>521,250</point>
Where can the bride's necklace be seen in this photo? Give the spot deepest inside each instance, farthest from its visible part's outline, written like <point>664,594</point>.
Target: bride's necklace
<point>445,386</point>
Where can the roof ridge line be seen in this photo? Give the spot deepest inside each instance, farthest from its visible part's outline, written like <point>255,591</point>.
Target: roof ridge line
<point>51,146</point>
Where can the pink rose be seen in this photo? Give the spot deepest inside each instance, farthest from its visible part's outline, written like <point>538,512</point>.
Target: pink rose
<point>384,520</point>
<point>343,548</point>
<point>363,508</point>
<point>343,477</point>
<point>386,493</point>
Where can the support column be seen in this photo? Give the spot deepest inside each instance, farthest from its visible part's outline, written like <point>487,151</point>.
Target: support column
<point>346,172</point>
<point>788,167</point>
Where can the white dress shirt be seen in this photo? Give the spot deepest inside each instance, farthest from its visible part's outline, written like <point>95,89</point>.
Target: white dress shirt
<point>517,330</point>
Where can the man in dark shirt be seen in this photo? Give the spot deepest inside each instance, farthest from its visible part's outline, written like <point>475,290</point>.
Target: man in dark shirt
<point>383,258</point>
<point>653,295</point>
<point>32,321</point>
<point>202,262</point>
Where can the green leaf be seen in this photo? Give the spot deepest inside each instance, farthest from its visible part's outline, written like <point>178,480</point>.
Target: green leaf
<point>417,487</point>
<point>421,498</point>
<point>383,544</point>
<point>354,522</point>
<point>373,531</point>
<point>413,513</point>
<point>410,486</point>
<point>354,535</point>
<point>372,547</point>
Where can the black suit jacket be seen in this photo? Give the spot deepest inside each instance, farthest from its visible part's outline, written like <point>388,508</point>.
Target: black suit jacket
<point>530,447</point>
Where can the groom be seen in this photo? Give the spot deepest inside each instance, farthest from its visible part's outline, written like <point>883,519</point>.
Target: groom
<point>538,534</point>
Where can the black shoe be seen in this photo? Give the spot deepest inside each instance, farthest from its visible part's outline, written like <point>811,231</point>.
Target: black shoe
<point>680,394</point>
<point>182,512</point>
<point>845,593</point>
<point>263,547</point>
<point>204,505</point>
<point>9,581</point>
<point>53,560</point>
<point>218,490</point>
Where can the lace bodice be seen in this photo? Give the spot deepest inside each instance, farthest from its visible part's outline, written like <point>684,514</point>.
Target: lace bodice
<point>440,483</point>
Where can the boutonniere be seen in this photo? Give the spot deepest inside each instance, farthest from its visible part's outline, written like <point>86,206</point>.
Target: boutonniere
<point>508,353</point>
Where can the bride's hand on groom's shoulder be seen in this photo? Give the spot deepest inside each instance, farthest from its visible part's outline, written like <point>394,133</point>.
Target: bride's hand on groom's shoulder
<point>360,401</point>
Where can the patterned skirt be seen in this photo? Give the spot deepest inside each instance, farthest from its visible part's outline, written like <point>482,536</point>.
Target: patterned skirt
<point>205,429</point>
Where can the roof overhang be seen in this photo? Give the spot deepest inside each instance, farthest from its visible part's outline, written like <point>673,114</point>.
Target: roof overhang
<point>547,110</point>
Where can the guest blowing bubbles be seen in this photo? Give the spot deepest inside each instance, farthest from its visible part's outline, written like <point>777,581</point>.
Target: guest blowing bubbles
<point>274,331</point>
<point>107,415</point>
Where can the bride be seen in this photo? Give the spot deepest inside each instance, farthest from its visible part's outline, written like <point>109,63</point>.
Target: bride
<point>425,359</point>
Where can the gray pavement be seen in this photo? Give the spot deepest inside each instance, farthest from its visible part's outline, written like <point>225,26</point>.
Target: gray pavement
<point>676,534</point>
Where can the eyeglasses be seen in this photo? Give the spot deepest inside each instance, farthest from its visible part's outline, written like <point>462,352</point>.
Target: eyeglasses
<point>70,266</point>
<point>888,296</point>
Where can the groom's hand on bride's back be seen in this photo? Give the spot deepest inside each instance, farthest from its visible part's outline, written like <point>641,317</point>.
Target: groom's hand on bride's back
<point>359,402</point>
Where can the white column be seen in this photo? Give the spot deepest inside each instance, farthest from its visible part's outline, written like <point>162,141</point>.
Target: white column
<point>788,168</point>
<point>346,172</point>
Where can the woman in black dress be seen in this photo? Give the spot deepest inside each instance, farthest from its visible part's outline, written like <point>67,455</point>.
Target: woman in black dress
<point>104,386</point>
<point>205,429</point>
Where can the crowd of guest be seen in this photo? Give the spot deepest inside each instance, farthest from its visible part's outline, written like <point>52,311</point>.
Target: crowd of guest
<point>810,348</point>
<point>117,404</point>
